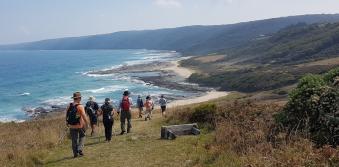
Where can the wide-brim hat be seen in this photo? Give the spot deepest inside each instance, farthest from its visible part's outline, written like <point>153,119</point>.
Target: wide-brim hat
<point>126,93</point>
<point>91,98</point>
<point>76,95</point>
<point>107,100</point>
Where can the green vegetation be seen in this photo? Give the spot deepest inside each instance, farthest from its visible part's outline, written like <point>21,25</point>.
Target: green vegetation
<point>295,44</point>
<point>313,108</point>
<point>243,134</point>
<point>273,62</point>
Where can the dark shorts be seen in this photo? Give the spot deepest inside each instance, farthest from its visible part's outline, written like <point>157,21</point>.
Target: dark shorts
<point>163,108</point>
<point>94,120</point>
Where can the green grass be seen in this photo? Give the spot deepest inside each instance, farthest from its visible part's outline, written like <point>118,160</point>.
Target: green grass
<point>142,147</point>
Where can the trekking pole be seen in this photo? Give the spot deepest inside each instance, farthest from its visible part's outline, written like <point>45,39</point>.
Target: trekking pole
<point>62,137</point>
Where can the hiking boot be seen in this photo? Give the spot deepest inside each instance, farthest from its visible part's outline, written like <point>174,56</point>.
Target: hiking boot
<point>128,131</point>
<point>75,155</point>
<point>81,153</point>
<point>122,132</point>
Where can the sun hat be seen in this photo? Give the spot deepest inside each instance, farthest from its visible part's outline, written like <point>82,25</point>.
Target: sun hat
<point>126,93</point>
<point>76,95</point>
<point>107,100</point>
<point>91,98</point>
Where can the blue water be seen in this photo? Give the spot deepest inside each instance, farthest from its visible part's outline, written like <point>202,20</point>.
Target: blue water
<point>30,79</point>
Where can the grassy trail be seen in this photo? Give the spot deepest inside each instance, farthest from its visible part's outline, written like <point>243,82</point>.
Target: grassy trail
<point>142,147</point>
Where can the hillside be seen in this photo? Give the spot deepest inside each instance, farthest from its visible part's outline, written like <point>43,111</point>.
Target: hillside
<point>272,62</point>
<point>239,137</point>
<point>292,45</point>
<point>189,40</point>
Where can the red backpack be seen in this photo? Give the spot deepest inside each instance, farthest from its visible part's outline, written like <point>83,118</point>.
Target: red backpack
<point>125,104</point>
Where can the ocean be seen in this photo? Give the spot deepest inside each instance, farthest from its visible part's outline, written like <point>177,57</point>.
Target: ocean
<point>47,78</point>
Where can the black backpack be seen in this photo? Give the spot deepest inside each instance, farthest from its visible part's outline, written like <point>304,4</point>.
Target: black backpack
<point>73,117</point>
<point>107,111</point>
<point>89,109</point>
<point>140,103</point>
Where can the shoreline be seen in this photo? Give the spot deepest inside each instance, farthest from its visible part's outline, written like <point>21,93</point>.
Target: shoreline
<point>181,71</point>
<point>211,95</point>
<point>169,74</point>
<point>185,73</point>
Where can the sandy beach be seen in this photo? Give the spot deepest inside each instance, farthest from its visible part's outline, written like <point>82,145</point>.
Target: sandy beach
<point>208,96</point>
<point>181,71</point>
<point>185,73</point>
<point>172,77</point>
<point>169,75</point>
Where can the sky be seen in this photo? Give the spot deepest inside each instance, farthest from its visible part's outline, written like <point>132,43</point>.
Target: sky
<point>31,20</point>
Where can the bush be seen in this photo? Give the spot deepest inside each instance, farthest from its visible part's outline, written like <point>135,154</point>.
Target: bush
<point>302,102</point>
<point>331,75</point>
<point>204,114</point>
<point>313,109</point>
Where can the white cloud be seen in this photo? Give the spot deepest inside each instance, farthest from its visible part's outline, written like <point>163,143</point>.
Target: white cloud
<point>168,3</point>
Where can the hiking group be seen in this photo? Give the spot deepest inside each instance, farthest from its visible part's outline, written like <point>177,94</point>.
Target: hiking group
<point>78,122</point>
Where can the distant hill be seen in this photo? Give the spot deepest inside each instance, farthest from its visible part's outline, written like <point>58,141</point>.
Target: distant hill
<point>294,44</point>
<point>271,61</point>
<point>190,40</point>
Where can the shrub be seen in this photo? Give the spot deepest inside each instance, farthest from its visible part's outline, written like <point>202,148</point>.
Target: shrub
<point>302,102</point>
<point>331,75</point>
<point>313,109</point>
<point>204,113</point>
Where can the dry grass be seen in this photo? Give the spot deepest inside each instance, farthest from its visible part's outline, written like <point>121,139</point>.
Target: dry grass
<point>24,144</point>
<point>327,62</point>
<point>243,136</point>
<point>245,131</point>
<point>210,59</point>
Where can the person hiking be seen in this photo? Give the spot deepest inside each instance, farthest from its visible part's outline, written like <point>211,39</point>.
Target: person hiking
<point>163,103</point>
<point>140,105</point>
<point>107,118</point>
<point>91,109</point>
<point>149,105</point>
<point>77,121</point>
<point>125,112</point>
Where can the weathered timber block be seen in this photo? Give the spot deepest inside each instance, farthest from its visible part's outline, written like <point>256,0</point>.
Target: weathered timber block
<point>171,132</point>
<point>195,131</point>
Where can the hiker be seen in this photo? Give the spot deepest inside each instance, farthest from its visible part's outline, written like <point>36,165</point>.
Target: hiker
<point>163,103</point>
<point>107,118</point>
<point>77,121</point>
<point>91,109</point>
<point>149,105</point>
<point>125,112</point>
<point>140,105</point>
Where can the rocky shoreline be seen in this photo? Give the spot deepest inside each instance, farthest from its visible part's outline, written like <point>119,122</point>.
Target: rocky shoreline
<point>154,73</point>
